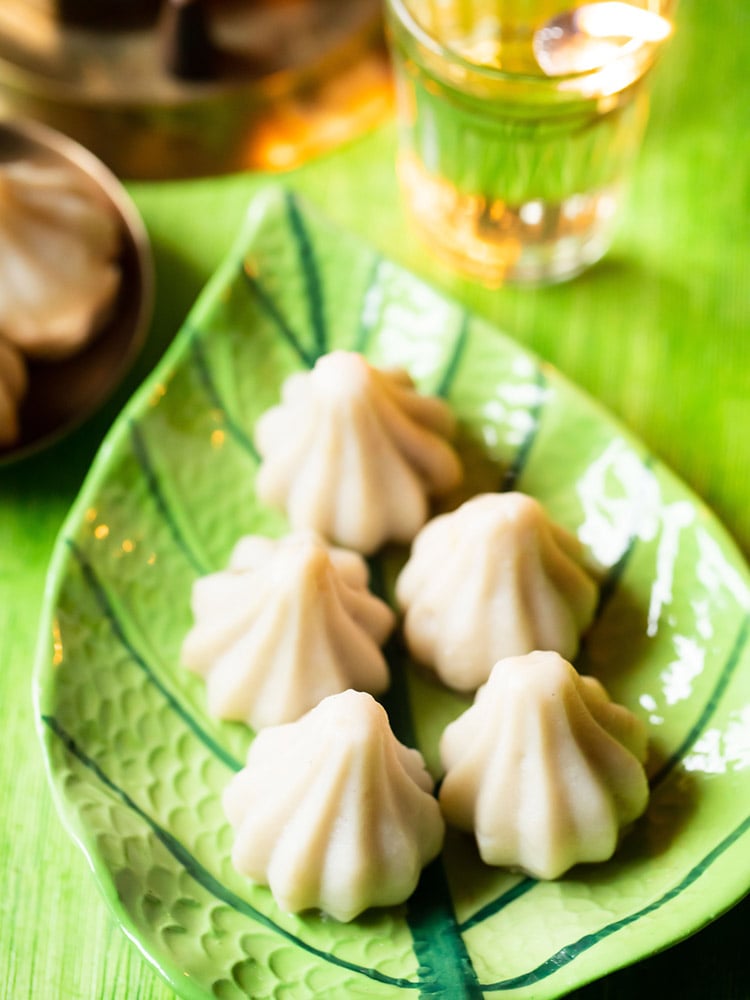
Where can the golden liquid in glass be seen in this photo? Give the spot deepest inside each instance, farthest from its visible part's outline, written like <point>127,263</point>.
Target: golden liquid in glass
<point>509,174</point>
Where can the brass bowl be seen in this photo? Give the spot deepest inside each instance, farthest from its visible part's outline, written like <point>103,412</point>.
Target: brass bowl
<point>62,394</point>
<point>293,78</point>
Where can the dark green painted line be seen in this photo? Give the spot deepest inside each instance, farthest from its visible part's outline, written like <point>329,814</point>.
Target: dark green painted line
<point>214,396</point>
<point>152,481</point>
<point>710,707</point>
<point>616,571</point>
<point>396,699</point>
<point>105,606</point>
<point>274,313</point>
<point>309,264</point>
<point>454,362</point>
<point>570,952</point>
<point>490,909</point>
<point>446,971</point>
<point>203,877</point>
<point>366,323</point>
<point>445,968</point>
<point>607,590</point>
<point>513,473</point>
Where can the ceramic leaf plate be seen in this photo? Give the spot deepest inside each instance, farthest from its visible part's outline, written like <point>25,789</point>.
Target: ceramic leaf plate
<point>138,766</point>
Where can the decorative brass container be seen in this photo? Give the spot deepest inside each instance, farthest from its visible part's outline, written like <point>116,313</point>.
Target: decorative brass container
<point>62,394</point>
<point>289,79</point>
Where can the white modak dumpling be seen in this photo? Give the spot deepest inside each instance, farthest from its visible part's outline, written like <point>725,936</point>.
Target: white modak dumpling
<point>58,246</point>
<point>355,452</point>
<point>332,812</point>
<point>494,578</point>
<point>13,386</point>
<point>544,768</point>
<point>289,622</point>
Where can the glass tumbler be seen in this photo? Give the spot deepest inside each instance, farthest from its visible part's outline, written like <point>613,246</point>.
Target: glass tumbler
<point>519,123</point>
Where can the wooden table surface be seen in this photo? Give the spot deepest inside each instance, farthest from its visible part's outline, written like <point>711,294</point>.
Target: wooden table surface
<point>659,332</point>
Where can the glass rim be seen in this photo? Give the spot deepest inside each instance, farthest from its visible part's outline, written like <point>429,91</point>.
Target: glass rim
<point>490,73</point>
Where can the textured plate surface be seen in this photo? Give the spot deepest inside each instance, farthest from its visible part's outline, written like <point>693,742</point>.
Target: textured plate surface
<point>137,766</point>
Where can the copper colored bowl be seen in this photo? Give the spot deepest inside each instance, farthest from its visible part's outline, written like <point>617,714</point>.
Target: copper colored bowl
<point>63,393</point>
<point>290,79</point>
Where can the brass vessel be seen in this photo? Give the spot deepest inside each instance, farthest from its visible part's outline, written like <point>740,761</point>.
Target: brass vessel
<point>288,79</point>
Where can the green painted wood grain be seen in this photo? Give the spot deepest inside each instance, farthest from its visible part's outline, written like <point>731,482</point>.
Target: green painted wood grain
<point>660,332</point>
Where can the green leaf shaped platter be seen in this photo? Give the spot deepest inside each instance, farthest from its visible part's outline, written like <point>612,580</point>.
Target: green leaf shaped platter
<point>137,765</point>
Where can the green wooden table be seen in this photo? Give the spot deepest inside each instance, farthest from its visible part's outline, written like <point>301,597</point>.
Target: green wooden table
<point>659,332</point>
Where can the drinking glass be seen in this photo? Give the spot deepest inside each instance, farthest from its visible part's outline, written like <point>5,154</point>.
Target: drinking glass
<point>519,123</point>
